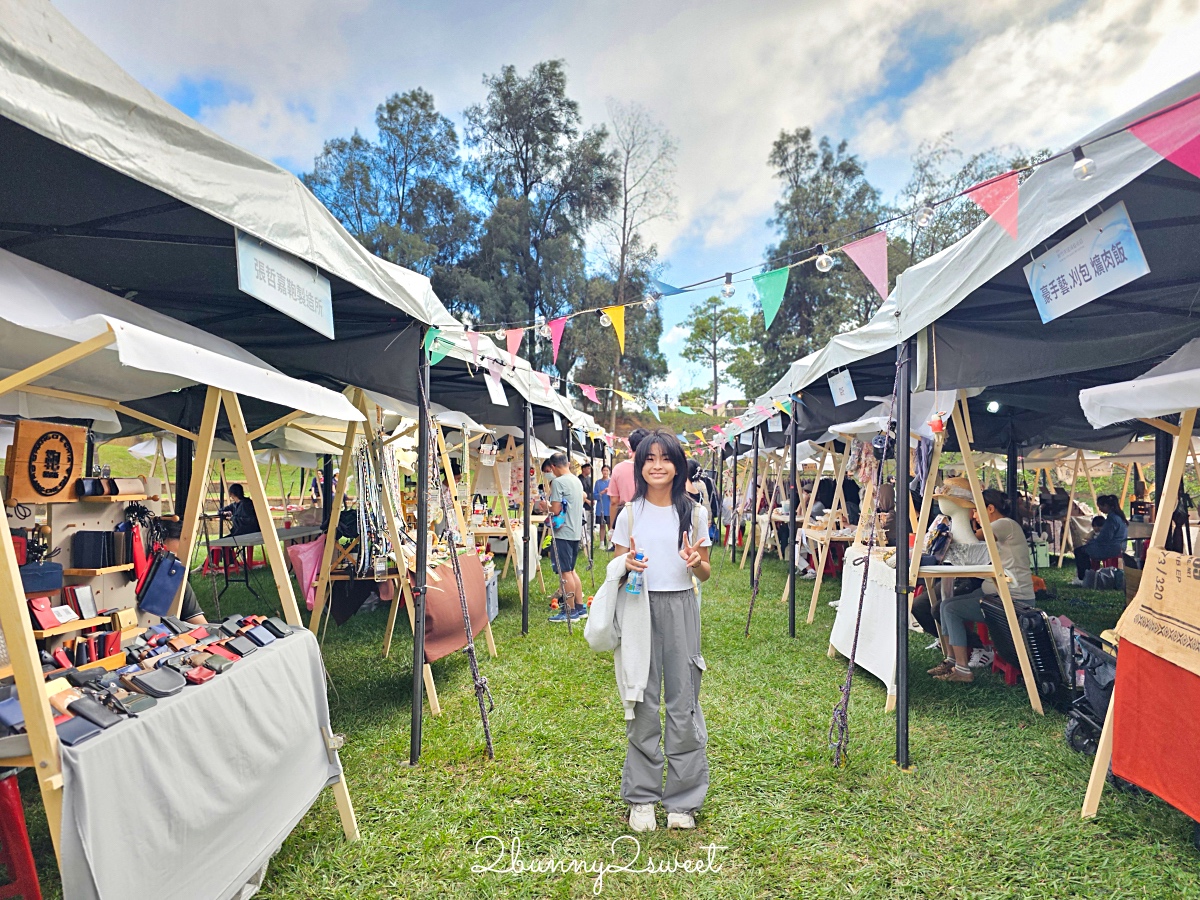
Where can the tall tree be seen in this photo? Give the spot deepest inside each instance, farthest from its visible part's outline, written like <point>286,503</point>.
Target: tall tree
<point>400,195</point>
<point>712,341</point>
<point>644,156</point>
<point>547,180</point>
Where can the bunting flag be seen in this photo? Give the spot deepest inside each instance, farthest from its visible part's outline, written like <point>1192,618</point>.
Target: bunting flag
<point>699,434</point>
<point>653,407</point>
<point>617,314</point>
<point>771,286</point>
<point>665,289</point>
<point>513,337</point>
<point>435,356</point>
<point>1174,135</point>
<point>473,340</point>
<point>870,255</point>
<point>783,409</point>
<point>999,198</point>
<point>556,333</point>
<point>623,395</point>
<point>589,392</point>
<point>544,379</point>
<point>687,410</point>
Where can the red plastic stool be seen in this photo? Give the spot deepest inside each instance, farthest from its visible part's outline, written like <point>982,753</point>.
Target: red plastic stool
<point>1111,562</point>
<point>1012,674</point>
<point>15,854</point>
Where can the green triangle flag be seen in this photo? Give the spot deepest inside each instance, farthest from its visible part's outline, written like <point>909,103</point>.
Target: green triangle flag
<point>771,286</point>
<point>435,356</point>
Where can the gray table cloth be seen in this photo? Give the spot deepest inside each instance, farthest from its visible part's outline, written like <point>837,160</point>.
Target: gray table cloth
<point>188,800</point>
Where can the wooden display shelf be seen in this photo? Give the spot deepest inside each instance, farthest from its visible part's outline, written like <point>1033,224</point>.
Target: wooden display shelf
<point>91,573</point>
<point>961,572</point>
<point>108,663</point>
<point>68,627</point>
<point>115,498</point>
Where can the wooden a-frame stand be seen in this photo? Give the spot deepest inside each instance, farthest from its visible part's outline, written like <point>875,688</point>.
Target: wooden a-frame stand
<point>824,536</point>
<point>802,514</point>
<point>44,757</point>
<point>1158,540</point>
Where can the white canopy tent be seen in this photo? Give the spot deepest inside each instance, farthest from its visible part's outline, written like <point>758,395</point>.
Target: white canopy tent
<point>1170,386</point>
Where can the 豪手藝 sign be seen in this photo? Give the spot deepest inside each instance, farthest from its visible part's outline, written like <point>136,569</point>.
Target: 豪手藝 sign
<point>1097,259</point>
<point>285,283</point>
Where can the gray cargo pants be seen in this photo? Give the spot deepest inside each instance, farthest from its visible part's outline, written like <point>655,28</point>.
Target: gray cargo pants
<point>676,666</point>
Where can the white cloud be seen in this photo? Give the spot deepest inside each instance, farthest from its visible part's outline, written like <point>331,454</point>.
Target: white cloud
<point>675,335</point>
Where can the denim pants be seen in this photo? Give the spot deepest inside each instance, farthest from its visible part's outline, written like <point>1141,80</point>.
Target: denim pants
<point>958,610</point>
<point>675,669</point>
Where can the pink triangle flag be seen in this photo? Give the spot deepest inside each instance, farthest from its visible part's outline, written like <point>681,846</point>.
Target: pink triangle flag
<point>998,197</point>
<point>556,333</point>
<point>589,392</point>
<point>870,255</point>
<point>1174,134</point>
<point>473,340</point>
<point>513,336</point>
<point>544,379</point>
<point>494,370</point>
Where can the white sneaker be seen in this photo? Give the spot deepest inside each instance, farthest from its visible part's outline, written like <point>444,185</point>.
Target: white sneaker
<point>1076,582</point>
<point>981,658</point>
<point>641,817</point>
<point>833,604</point>
<point>681,820</point>
<point>810,575</point>
<point>935,645</point>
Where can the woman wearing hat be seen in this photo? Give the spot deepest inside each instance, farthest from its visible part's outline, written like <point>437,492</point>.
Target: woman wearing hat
<point>1014,556</point>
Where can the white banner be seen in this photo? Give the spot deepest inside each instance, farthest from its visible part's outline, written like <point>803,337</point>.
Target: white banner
<point>285,283</point>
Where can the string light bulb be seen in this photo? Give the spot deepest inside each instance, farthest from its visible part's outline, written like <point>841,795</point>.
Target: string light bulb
<point>651,299</point>
<point>993,406</point>
<point>605,320</point>
<point>924,215</point>
<point>1085,166</point>
<point>727,289</point>
<point>824,261</point>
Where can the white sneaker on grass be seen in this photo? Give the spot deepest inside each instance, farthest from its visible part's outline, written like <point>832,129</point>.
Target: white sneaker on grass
<point>981,658</point>
<point>641,817</point>
<point>681,820</point>
<point>1075,582</point>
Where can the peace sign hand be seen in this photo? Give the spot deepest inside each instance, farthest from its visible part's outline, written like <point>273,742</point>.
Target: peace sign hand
<point>690,553</point>
<point>632,563</point>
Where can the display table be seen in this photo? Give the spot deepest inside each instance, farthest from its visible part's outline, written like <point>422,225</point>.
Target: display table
<point>195,795</point>
<point>876,650</point>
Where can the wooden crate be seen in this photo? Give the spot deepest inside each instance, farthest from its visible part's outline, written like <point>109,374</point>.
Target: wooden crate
<point>44,462</point>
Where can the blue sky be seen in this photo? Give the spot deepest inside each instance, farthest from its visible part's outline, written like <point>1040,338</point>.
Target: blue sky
<point>281,76</point>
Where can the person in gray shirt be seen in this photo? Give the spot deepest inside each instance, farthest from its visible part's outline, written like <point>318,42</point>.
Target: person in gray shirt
<point>566,516</point>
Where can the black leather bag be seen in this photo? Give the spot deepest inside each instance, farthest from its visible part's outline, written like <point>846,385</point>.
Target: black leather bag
<point>90,487</point>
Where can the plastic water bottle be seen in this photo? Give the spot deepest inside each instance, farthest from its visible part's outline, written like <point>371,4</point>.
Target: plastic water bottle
<point>633,584</point>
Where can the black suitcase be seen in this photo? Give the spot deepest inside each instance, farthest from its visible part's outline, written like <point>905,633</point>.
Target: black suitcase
<point>1039,643</point>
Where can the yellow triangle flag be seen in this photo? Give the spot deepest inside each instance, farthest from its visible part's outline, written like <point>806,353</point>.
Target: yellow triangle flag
<point>699,434</point>
<point>622,394</point>
<point>782,408</point>
<point>617,314</point>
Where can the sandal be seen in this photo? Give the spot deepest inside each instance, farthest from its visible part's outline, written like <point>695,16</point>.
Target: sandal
<point>944,668</point>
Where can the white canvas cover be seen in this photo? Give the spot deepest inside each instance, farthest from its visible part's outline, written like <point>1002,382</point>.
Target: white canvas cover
<point>44,312</point>
<point>58,84</point>
<point>1168,388</point>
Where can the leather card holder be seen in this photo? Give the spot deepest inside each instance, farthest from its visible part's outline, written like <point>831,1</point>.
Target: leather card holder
<point>162,682</point>
<point>277,627</point>
<point>76,730</point>
<point>94,712</point>
<point>224,652</point>
<point>260,636</point>
<point>217,663</point>
<point>199,675</point>
<point>241,645</point>
<point>181,641</point>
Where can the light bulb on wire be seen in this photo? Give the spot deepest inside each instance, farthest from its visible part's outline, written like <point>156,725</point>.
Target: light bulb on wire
<point>651,299</point>
<point>1085,166</point>
<point>605,320</point>
<point>824,261</point>
<point>924,215</point>
<point>727,289</point>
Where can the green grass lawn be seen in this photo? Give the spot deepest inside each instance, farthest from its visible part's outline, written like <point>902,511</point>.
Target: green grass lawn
<point>991,809</point>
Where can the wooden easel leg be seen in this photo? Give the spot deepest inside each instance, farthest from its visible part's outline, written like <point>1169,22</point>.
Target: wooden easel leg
<point>198,487</point>
<point>491,641</point>
<point>390,628</point>
<point>341,796</point>
<point>1091,800</point>
<point>339,497</point>
<point>1066,535</point>
<point>831,652</point>
<point>812,606</point>
<point>258,493</point>
<point>890,705</point>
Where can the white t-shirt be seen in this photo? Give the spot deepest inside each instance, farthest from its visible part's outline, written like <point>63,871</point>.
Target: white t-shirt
<point>656,530</point>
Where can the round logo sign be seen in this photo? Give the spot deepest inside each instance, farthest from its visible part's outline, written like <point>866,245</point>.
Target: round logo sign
<point>51,463</point>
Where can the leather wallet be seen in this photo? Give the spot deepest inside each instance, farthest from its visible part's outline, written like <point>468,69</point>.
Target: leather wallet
<point>139,703</point>
<point>96,713</point>
<point>63,699</point>
<point>11,716</point>
<point>241,645</point>
<point>199,675</point>
<point>162,682</point>
<point>60,657</point>
<point>230,625</point>
<point>177,626</point>
<point>199,634</point>
<point>79,678</point>
<point>89,487</point>
<point>42,615</point>
<point>217,663</point>
<point>76,730</point>
<point>277,627</point>
<point>260,636</point>
<point>198,658</point>
<point>223,652</point>
<point>180,641</point>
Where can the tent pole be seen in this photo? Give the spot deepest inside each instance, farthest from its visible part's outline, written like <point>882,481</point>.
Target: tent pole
<point>423,452</point>
<point>1010,478</point>
<point>793,502</point>
<point>1162,459</point>
<point>903,427</point>
<point>735,522</point>
<point>527,487</point>
<point>753,496</point>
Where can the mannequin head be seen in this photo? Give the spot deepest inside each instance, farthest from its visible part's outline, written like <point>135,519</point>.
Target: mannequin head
<point>954,499</point>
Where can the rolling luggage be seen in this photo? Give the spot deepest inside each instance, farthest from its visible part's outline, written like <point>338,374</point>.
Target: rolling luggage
<point>1048,668</point>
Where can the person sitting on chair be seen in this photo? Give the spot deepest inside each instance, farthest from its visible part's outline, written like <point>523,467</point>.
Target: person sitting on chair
<point>1109,542</point>
<point>242,517</point>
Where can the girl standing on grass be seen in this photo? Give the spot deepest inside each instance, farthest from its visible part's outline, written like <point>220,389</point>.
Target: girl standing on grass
<point>671,531</point>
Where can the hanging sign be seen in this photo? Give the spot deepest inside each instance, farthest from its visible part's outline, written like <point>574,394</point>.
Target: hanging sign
<point>775,424</point>
<point>1097,259</point>
<point>285,283</point>
<point>494,387</point>
<point>842,387</point>
<point>557,421</point>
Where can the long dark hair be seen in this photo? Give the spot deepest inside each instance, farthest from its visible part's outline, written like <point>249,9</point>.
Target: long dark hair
<point>673,450</point>
<point>1113,504</point>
